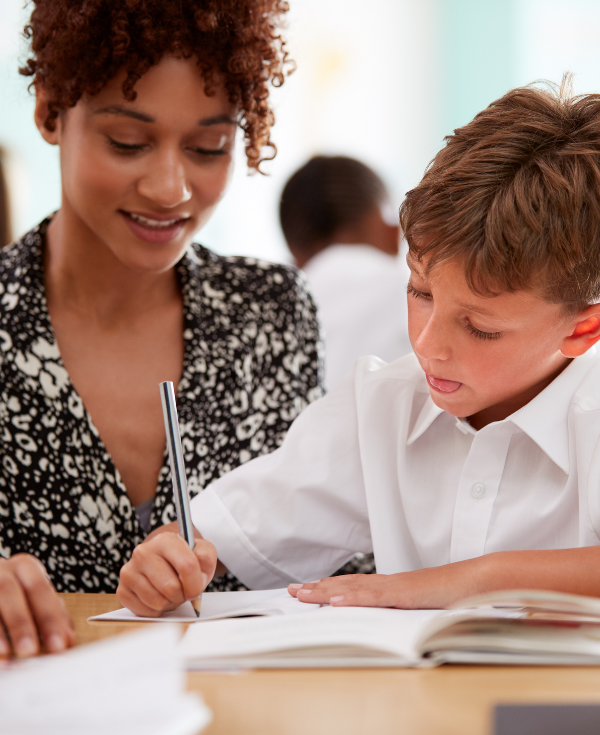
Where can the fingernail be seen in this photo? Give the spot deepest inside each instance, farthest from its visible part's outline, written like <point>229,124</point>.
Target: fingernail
<point>295,586</point>
<point>315,581</point>
<point>204,580</point>
<point>55,643</point>
<point>4,649</point>
<point>336,600</point>
<point>26,647</point>
<point>305,592</point>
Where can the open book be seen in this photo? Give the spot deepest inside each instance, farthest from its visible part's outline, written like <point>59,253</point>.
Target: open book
<point>512,627</point>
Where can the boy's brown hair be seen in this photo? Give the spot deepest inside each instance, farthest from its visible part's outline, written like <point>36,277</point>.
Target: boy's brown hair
<point>515,196</point>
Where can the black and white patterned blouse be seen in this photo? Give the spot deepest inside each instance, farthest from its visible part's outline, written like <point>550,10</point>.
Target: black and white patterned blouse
<point>252,361</point>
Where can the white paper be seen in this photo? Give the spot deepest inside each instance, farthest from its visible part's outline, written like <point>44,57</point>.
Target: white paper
<point>131,684</point>
<point>216,605</point>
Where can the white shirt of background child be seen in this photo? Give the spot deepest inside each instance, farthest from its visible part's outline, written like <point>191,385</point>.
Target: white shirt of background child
<point>360,294</point>
<point>376,466</point>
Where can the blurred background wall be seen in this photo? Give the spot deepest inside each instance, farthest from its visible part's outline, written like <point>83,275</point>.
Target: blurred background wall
<point>382,80</point>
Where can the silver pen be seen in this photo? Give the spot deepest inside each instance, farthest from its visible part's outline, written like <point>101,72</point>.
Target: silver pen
<point>178,474</point>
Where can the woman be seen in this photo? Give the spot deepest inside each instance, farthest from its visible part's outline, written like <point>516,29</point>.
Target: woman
<point>109,297</point>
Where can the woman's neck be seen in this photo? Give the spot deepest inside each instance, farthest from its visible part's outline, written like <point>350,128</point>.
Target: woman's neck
<point>83,275</point>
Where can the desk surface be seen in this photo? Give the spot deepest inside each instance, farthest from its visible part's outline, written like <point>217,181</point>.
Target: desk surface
<point>450,700</point>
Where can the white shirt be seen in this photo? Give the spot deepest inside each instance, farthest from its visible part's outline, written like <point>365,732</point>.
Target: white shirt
<point>360,294</point>
<point>376,466</point>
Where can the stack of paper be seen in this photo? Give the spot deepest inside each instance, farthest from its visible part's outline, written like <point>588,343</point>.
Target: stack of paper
<point>130,684</point>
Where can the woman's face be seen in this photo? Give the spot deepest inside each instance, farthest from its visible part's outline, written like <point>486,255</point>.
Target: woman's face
<point>140,178</point>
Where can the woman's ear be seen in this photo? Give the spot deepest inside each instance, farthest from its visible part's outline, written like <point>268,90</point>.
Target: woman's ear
<point>40,116</point>
<point>585,332</point>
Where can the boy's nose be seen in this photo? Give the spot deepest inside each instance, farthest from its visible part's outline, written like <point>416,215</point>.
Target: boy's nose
<point>166,184</point>
<point>433,342</point>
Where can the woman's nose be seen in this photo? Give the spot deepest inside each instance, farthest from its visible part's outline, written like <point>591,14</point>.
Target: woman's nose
<point>166,183</point>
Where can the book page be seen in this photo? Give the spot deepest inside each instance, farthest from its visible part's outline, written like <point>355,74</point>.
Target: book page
<point>351,629</point>
<point>217,605</point>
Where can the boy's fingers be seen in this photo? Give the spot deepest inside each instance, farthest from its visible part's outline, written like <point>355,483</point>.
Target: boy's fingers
<point>142,598</point>
<point>164,572</point>
<point>361,590</point>
<point>207,556</point>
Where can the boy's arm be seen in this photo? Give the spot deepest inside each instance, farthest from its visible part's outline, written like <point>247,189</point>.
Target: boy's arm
<point>296,513</point>
<point>562,570</point>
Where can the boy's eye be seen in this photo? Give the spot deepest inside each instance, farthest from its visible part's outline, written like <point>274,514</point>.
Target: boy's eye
<point>482,335</point>
<point>412,291</point>
<point>124,147</point>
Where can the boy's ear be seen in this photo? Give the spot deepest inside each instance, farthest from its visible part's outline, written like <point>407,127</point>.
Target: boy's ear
<point>585,333</point>
<point>40,115</point>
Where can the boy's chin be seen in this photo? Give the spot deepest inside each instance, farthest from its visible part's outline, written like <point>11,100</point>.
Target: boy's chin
<point>450,403</point>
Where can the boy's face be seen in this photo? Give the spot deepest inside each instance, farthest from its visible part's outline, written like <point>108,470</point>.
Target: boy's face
<point>484,358</point>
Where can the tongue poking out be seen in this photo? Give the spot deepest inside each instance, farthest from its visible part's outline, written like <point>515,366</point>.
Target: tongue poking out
<point>444,386</point>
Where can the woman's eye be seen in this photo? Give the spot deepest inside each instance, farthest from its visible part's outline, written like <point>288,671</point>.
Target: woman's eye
<point>482,335</point>
<point>412,291</point>
<point>211,152</point>
<point>124,147</point>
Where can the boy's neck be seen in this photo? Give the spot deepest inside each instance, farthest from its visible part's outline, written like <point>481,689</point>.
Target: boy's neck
<point>502,410</point>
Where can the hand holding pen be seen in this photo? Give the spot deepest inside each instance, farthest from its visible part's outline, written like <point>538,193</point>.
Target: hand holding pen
<point>169,567</point>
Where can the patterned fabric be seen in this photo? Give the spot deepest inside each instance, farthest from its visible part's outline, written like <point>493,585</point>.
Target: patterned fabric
<point>252,362</point>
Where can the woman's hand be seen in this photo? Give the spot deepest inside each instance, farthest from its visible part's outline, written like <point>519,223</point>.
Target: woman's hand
<point>432,588</point>
<point>164,572</point>
<point>30,610</point>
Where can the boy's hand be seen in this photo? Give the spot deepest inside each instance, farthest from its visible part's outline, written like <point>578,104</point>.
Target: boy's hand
<point>30,610</point>
<point>164,572</point>
<point>432,588</point>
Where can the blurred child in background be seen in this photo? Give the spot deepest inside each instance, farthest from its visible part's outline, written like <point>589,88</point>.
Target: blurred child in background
<point>332,218</point>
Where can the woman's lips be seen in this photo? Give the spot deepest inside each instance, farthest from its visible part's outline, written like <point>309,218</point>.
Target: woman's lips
<point>443,386</point>
<point>153,230</point>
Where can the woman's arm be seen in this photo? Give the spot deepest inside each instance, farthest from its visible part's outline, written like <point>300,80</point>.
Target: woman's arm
<point>562,570</point>
<point>31,612</point>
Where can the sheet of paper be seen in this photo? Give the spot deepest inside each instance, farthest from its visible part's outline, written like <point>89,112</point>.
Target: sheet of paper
<point>388,631</point>
<point>131,684</point>
<point>217,605</point>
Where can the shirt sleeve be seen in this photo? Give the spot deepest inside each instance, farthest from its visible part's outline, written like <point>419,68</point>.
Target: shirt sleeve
<point>296,514</point>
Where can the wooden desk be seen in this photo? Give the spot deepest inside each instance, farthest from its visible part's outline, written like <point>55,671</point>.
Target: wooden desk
<point>451,700</point>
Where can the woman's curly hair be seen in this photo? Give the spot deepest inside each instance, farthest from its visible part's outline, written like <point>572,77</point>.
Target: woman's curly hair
<point>77,46</point>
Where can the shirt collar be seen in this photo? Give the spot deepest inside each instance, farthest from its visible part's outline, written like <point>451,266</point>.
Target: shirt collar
<point>428,414</point>
<point>545,418</point>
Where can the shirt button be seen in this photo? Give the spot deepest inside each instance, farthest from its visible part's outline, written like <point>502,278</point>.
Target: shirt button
<point>478,490</point>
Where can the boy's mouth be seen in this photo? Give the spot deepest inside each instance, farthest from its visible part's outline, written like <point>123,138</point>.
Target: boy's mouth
<point>443,386</point>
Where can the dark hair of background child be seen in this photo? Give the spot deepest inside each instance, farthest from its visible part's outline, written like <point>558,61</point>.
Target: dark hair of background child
<point>77,46</point>
<point>327,194</point>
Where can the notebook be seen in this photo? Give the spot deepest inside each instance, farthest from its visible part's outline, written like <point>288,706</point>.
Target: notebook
<point>514,627</point>
<point>217,605</point>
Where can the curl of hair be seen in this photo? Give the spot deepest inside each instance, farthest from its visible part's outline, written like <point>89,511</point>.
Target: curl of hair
<point>77,46</point>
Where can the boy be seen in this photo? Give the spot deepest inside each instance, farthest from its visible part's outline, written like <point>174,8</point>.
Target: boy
<point>474,464</point>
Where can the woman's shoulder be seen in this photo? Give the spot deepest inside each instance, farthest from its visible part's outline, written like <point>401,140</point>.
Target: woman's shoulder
<point>23,254</point>
<point>240,266</point>
<point>21,275</point>
<point>245,277</point>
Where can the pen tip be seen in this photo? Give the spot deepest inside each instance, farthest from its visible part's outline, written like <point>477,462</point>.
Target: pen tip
<point>196,605</point>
